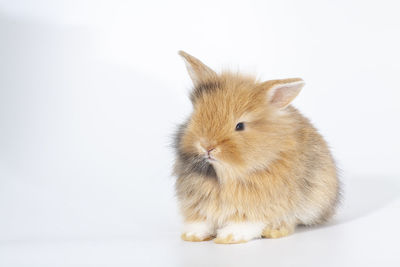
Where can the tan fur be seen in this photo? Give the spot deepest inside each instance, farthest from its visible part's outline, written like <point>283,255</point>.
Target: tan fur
<point>278,232</point>
<point>228,240</point>
<point>279,170</point>
<point>193,238</point>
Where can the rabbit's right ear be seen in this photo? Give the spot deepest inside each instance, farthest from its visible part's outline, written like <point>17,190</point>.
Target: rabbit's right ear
<point>281,92</point>
<point>198,72</point>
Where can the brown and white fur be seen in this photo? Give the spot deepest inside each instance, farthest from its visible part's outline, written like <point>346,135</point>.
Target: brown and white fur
<point>260,181</point>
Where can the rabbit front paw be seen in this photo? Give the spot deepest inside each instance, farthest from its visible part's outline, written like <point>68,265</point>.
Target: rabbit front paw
<point>234,233</point>
<point>198,231</point>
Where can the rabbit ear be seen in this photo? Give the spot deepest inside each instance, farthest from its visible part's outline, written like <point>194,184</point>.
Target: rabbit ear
<point>198,72</point>
<point>281,92</point>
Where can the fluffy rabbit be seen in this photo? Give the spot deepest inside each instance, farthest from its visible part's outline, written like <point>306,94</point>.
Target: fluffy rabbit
<point>248,164</point>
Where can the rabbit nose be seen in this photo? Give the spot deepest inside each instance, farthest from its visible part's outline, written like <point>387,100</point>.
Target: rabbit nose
<point>209,150</point>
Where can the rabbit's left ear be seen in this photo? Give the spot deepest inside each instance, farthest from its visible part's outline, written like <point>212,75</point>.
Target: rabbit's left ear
<point>281,92</point>
<point>198,71</point>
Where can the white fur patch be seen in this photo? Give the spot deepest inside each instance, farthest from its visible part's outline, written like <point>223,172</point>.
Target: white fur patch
<point>200,230</point>
<point>244,231</point>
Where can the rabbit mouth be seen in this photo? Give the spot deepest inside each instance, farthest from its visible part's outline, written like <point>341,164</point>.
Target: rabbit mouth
<point>193,163</point>
<point>210,159</point>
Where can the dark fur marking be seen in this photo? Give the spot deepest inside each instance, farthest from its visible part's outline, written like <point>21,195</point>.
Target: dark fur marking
<point>191,163</point>
<point>205,87</point>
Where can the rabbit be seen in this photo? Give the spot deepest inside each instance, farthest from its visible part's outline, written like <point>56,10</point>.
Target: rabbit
<point>248,164</point>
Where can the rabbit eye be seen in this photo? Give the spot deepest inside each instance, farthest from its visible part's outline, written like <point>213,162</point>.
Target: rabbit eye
<point>239,126</point>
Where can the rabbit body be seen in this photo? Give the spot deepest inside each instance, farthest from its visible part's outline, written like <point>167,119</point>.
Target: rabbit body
<point>248,164</point>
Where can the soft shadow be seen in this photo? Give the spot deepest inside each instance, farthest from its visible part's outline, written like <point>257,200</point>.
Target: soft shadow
<point>360,198</point>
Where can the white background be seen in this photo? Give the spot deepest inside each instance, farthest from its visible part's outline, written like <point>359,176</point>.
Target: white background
<point>91,91</point>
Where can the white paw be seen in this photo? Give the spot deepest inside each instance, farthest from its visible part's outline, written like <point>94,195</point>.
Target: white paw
<point>198,231</point>
<point>239,232</point>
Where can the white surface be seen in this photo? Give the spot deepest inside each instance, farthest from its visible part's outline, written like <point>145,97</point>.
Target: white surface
<point>364,233</point>
<point>90,92</point>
